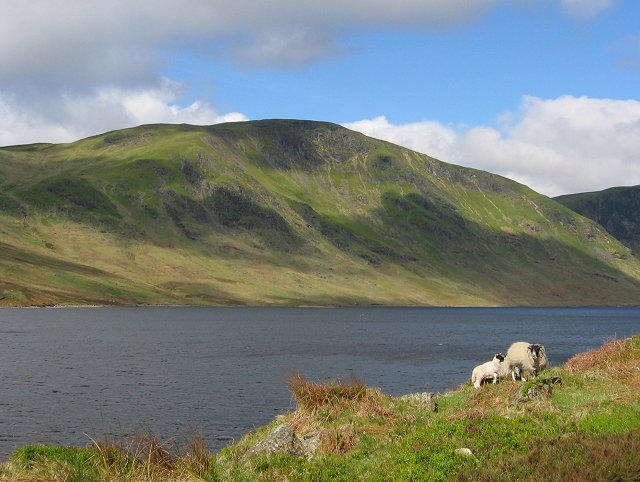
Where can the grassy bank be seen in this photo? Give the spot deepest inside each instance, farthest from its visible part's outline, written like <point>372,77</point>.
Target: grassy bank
<point>576,422</point>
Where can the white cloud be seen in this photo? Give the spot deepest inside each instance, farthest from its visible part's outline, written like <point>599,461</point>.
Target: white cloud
<point>74,67</point>
<point>72,117</point>
<point>430,137</point>
<point>556,146</point>
<point>585,9</point>
<point>76,42</point>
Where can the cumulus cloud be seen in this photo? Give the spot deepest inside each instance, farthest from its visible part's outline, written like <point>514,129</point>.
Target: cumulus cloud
<point>65,59</point>
<point>585,9</point>
<point>75,41</point>
<point>75,67</point>
<point>116,41</point>
<point>556,146</point>
<point>429,137</point>
<point>71,117</point>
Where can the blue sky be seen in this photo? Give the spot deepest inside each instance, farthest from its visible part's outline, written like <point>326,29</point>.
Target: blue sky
<point>542,91</point>
<point>465,74</point>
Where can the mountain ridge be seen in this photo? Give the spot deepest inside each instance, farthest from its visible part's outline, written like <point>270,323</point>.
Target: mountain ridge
<point>286,212</point>
<point>617,209</point>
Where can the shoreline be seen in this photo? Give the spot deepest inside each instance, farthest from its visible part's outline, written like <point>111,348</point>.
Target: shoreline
<point>368,306</point>
<point>580,418</point>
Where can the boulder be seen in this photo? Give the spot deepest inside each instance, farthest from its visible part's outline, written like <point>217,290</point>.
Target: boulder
<point>282,439</point>
<point>309,443</point>
<point>464,451</point>
<point>422,398</point>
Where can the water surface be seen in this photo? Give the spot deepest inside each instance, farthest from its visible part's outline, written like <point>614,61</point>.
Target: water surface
<point>69,372</point>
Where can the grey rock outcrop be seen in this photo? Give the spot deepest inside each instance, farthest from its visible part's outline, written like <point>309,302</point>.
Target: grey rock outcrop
<point>283,439</point>
<point>422,398</point>
<point>310,443</point>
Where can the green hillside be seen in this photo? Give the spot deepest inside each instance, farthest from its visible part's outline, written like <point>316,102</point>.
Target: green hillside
<point>616,209</point>
<point>286,212</point>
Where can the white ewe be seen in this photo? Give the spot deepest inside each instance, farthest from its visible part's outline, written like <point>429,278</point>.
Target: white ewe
<point>526,358</point>
<point>487,370</point>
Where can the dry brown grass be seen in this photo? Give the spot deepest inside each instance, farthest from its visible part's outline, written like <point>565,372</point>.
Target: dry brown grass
<point>619,359</point>
<point>492,396</point>
<point>340,413</point>
<point>339,440</point>
<point>144,457</point>
<point>334,395</point>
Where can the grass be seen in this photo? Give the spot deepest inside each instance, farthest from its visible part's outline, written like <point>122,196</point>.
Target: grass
<point>142,457</point>
<point>363,434</point>
<point>378,437</point>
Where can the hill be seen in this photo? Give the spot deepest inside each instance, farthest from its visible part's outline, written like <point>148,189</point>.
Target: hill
<point>291,213</point>
<point>617,209</point>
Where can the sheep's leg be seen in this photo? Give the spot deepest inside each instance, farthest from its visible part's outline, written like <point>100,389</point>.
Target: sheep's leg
<point>495,378</point>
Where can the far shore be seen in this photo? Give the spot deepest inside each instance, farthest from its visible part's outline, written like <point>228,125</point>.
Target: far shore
<point>375,305</point>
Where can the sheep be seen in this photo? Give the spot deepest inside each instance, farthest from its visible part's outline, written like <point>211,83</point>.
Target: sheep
<point>526,358</point>
<point>487,370</point>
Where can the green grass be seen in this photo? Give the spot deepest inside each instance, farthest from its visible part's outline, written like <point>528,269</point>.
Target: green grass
<point>367,435</point>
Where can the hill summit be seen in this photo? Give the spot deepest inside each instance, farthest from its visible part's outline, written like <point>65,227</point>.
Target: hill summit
<point>286,212</point>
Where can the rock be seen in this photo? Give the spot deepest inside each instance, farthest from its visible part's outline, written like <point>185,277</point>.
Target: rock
<point>422,398</point>
<point>537,390</point>
<point>309,443</point>
<point>556,380</point>
<point>464,451</point>
<point>539,387</point>
<point>280,440</point>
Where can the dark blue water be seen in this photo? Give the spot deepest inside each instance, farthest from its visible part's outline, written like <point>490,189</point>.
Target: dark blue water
<point>69,372</point>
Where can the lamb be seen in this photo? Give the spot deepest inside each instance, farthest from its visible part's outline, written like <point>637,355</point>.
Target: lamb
<point>526,358</point>
<point>487,370</point>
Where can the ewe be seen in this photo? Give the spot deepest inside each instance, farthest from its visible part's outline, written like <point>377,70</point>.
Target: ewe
<point>526,358</point>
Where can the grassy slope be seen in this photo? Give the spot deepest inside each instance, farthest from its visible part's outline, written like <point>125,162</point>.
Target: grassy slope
<point>585,428</point>
<point>286,212</point>
<point>617,209</point>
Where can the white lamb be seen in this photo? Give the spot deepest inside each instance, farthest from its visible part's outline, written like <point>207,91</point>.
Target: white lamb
<point>526,358</point>
<point>487,370</point>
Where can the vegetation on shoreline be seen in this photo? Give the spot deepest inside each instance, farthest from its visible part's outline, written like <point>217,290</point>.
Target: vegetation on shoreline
<point>576,422</point>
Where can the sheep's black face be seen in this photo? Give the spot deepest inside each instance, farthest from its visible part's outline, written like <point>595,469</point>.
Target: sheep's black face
<point>536,348</point>
<point>499,356</point>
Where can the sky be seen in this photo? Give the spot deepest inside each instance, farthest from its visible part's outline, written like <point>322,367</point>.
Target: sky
<point>545,92</point>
